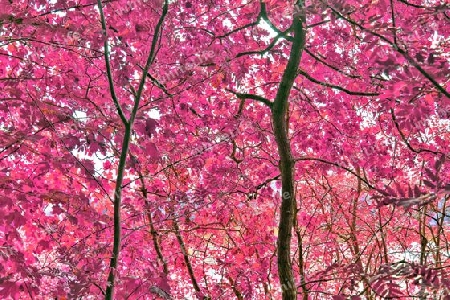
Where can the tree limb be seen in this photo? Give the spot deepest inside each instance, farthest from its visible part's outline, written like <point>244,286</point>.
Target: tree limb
<point>252,96</point>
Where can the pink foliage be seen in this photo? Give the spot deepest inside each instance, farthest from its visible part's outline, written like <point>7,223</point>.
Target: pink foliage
<point>368,122</point>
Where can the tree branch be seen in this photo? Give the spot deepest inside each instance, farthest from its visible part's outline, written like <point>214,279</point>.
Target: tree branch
<point>251,96</point>
<point>405,140</point>
<point>310,78</point>
<point>339,166</point>
<point>329,65</point>
<point>153,232</point>
<point>108,66</point>
<point>150,59</point>
<point>398,49</point>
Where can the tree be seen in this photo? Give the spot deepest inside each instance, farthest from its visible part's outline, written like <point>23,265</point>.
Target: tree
<point>246,149</point>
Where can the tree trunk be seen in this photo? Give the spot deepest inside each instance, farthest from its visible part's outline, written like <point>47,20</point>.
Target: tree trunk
<point>288,203</point>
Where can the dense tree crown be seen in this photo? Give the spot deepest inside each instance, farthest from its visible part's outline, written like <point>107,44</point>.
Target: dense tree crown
<point>248,149</point>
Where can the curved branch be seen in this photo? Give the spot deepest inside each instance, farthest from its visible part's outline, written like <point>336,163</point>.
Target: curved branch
<point>413,5</point>
<point>398,49</point>
<point>329,65</point>
<point>252,96</point>
<point>150,59</point>
<point>405,140</point>
<point>153,232</point>
<point>186,256</point>
<point>108,66</point>
<point>339,166</point>
<point>337,87</point>
<point>241,28</point>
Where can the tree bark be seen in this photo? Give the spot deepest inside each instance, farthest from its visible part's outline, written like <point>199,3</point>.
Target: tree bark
<point>128,123</point>
<point>117,222</point>
<point>288,203</point>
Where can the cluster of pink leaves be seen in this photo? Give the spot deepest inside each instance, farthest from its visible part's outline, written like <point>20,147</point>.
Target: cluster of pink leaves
<point>365,128</point>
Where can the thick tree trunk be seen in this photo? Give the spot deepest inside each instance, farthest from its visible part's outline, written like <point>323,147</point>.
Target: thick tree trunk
<point>288,203</point>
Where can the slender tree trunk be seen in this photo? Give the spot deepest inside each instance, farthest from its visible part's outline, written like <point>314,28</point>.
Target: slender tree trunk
<point>237,293</point>
<point>117,206</point>
<point>153,231</point>
<point>354,239</point>
<point>423,247</point>
<point>301,263</point>
<point>128,123</point>
<point>288,203</point>
<point>187,261</point>
<point>184,250</point>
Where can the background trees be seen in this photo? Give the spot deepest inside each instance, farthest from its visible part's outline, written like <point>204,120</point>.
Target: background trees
<point>366,121</point>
